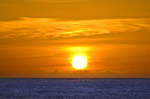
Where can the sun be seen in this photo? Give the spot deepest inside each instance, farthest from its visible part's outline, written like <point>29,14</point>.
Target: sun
<point>79,62</point>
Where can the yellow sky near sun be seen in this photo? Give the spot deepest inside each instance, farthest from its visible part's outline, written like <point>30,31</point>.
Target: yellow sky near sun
<point>40,38</point>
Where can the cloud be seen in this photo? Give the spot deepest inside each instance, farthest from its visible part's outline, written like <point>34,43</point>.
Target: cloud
<point>94,31</point>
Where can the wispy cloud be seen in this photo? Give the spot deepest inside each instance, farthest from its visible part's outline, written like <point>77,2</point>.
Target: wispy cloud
<point>104,30</point>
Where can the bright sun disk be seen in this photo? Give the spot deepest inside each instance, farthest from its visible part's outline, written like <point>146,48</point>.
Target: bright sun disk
<point>79,62</point>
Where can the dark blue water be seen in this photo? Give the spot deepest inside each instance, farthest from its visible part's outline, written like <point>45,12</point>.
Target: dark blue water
<point>74,88</point>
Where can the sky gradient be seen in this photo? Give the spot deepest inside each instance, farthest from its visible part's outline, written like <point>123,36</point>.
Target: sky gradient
<point>38,38</point>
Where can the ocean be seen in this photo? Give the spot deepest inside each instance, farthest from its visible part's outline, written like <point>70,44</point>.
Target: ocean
<point>14,88</point>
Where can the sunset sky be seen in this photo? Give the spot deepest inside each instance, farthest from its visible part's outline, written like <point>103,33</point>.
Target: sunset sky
<point>40,38</point>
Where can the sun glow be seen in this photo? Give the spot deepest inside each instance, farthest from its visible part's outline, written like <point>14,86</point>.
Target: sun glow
<point>79,62</point>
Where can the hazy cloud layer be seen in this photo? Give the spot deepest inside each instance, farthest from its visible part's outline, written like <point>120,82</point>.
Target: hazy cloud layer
<point>74,9</point>
<point>123,50</point>
<point>45,29</point>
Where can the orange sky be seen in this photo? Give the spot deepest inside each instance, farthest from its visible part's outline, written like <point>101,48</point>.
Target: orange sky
<point>38,38</point>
